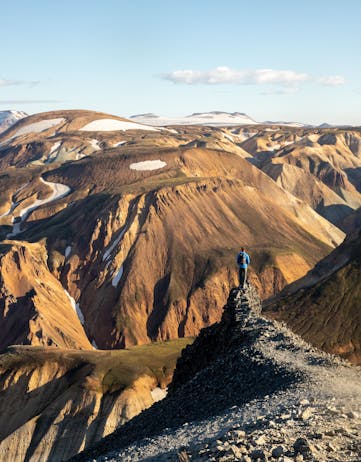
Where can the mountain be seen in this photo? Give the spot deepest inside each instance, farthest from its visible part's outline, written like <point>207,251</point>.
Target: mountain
<point>115,234</point>
<point>320,167</point>
<point>93,198</point>
<point>51,398</point>
<point>8,118</point>
<point>212,119</point>
<point>284,123</point>
<point>323,307</point>
<point>246,389</point>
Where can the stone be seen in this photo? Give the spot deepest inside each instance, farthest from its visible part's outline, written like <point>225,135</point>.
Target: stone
<point>303,446</point>
<point>239,434</point>
<point>331,447</point>
<point>258,454</point>
<point>261,440</point>
<point>306,413</point>
<point>236,451</point>
<point>183,456</point>
<point>278,451</point>
<point>352,415</point>
<point>332,410</point>
<point>246,459</point>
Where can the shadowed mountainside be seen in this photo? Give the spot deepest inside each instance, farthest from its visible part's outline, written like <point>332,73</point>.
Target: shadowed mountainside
<point>324,306</point>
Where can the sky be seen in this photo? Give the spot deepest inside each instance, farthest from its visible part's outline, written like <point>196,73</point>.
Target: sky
<point>274,60</point>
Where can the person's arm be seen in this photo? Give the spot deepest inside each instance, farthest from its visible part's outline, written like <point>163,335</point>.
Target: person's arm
<point>248,260</point>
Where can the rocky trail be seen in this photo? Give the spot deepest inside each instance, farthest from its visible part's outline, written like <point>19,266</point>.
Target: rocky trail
<point>247,389</point>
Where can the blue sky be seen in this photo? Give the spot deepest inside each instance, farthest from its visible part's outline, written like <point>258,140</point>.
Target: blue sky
<point>274,60</point>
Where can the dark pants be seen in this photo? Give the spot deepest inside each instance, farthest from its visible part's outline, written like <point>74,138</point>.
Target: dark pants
<point>242,277</point>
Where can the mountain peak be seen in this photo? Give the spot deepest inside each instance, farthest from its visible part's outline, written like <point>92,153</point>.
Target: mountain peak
<point>10,117</point>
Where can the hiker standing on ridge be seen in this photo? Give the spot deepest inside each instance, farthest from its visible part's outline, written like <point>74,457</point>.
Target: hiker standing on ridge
<point>243,261</point>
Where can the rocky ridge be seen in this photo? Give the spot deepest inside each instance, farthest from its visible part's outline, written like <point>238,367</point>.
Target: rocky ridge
<point>248,389</point>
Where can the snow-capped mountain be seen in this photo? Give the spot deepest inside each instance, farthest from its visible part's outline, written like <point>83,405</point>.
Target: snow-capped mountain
<point>213,118</point>
<point>286,124</point>
<point>8,118</point>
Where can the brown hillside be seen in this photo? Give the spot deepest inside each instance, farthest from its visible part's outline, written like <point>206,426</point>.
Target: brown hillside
<point>55,403</point>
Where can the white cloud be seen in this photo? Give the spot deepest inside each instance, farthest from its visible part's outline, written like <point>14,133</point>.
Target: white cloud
<point>288,81</point>
<point>8,83</point>
<point>30,101</point>
<point>223,74</point>
<point>282,91</point>
<point>332,80</point>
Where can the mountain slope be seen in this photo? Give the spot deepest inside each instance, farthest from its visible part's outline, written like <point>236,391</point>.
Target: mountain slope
<point>34,307</point>
<point>55,402</point>
<point>254,386</point>
<point>320,167</point>
<point>323,307</point>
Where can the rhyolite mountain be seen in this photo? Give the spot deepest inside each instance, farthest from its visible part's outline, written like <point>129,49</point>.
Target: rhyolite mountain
<point>114,233</point>
<point>55,402</point>
<point>324,306</point>
<point>135,228</point>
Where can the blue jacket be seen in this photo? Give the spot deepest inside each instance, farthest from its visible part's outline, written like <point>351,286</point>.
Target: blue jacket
<point>248,260</point>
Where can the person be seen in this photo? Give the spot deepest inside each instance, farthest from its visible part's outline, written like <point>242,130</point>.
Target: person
<point>243,261</point>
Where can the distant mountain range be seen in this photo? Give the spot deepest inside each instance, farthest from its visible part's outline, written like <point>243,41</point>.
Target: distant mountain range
<point>213,118</point>
<point>8,118</point>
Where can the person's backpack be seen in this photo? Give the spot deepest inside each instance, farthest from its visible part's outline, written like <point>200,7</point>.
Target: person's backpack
<point>241,259</point>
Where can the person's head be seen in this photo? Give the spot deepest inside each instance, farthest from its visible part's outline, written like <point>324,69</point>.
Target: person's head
<point>242,249</point>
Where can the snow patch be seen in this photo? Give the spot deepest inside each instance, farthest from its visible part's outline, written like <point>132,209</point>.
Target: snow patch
<point>148,165</point>
<point>76,307</point>
<point>117,277</point>
<point>108,125</point>
<point>95,144</point>
<point>67,251</point>
<point>59,191</point>
<point>53,152</point>
<point>228,137</point>
<point>158,394</point>
<point>119,143</point>
<point>112,246</point>
<point>38,127</point>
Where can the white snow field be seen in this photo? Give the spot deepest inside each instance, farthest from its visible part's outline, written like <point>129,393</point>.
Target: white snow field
<point>117,277</point>
<point>216,118</point>
<point>38,127</point>
<point>109,125</point>
<point>95,144</point>
<point>76,308</point>
<point>148,165</point>
<point>67,251</point>
<point>59,191</point>
<point>53,153</point>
